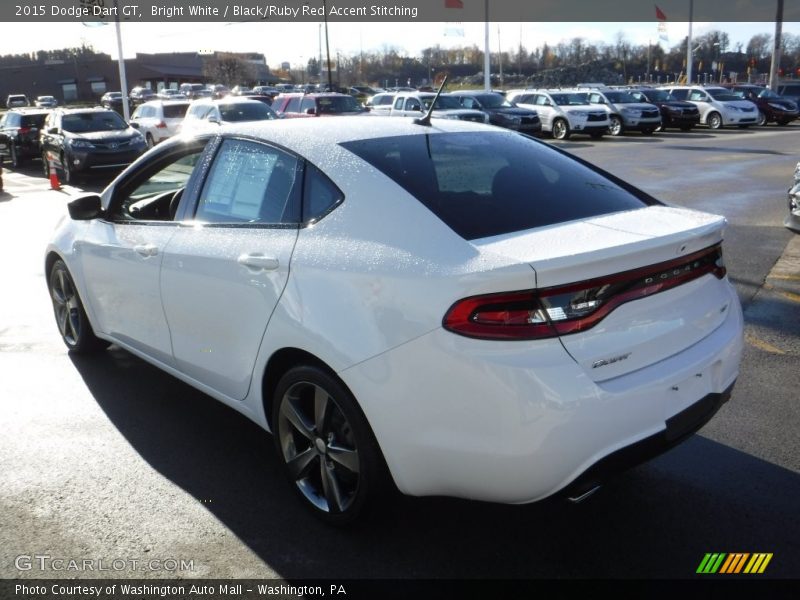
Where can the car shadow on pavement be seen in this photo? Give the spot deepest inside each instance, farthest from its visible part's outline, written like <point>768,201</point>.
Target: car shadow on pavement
<point>657,520</point>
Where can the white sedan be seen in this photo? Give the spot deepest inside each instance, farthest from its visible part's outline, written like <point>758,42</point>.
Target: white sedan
<point>446,309</point>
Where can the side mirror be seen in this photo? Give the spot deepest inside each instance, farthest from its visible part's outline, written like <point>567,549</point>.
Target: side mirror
<point>134,124</point>
<point>85,208</point>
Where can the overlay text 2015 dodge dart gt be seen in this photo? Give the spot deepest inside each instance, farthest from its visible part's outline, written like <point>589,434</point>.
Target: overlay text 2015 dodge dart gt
<point>444,307</point>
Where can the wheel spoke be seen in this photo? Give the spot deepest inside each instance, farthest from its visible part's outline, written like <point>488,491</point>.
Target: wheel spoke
<point>300,465</point>
<point>62,316</point>
<point>293,415</point>
<point>344,456</point>
<point>330,487</point>
<point>74,323</point>
<point>321,409</point>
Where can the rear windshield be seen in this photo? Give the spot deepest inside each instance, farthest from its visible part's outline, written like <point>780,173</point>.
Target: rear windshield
<point>484,184</point>
<point>337,104</point>
<point>175,111</point>
<point>33,120</point>
<point>245,111</point>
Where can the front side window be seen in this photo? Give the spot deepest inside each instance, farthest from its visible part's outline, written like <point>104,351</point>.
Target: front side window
<point>154,193</point>
<point>250,183</point>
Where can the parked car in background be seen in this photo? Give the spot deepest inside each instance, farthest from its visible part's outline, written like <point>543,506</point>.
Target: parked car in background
<point>159,120</point>
<point>266,90</point>
<point>501,112</point>
<point>297,104</point>
<point>718,106</point>
<point>218,90</point>
<point>45,102</point>
<point>793,218</point>
<point>562,113</point>
<point>19,134</point>
<point>455,310</point>
<point>88,140</point>
<point>380,103</point>
<point>790,90</point>
<point>625,112</point>
<point>417,104</point>
<point>207,114</point>
<point>141,94</point>
<point>192,91</point>
<point>17,101</point>
<point>170,94</point>
<point>675,113</point>
<point>112,100</point>
<point>772,107</point>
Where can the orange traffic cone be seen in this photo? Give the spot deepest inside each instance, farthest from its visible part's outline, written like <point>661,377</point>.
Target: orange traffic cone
<point>54,184</point>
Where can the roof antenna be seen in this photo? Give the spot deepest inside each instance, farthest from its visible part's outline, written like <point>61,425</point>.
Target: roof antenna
<point>426,120</point>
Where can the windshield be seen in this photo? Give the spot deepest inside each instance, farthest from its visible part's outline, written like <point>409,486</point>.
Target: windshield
<point>484,184</point>
<point>658,96</point>
<point>493,101</point>
<point>93,121</point>
<point>722,95</point>
<point>568,99</point>
<point>768,93</point>
<point>443,103</point>
<point>620,97</point>
<point>245,111</point>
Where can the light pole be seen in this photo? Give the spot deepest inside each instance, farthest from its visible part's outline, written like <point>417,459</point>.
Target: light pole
<point>327,45</point>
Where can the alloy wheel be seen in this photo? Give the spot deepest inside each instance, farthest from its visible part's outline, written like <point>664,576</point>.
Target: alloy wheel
<point>66,306</point>
<point>616,126</point>
<point>714,120</point>
<point>318,445</point>
<point>560,129</point>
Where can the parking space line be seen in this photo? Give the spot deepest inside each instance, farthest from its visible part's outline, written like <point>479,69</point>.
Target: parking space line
<point>762,345</point>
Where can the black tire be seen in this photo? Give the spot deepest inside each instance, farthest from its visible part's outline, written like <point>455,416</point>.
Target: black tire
<point>561,129</point>
<point>615,128</point>
<point>784,123</point>
<point>686,127</point>
<point>647,131</point>
<point>71,319</point>
<point>149,139</point>
<point>328,450</point>
<point>762,119</point>
<point>15,159</point>
<point>714,120</point>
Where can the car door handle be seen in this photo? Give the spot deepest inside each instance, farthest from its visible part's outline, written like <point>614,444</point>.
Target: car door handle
<point>146,250</point>
<point>259,262</point>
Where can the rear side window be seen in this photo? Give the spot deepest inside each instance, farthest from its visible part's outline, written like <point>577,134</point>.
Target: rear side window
<point>486,184</point>
<point>680,94</point>
<point>320,194</point>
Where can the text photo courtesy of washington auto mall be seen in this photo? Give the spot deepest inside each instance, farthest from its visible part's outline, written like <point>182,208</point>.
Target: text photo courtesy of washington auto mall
<point>399,299</point>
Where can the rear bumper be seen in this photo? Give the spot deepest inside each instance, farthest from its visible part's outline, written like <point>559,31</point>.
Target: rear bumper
<point>516,422</point>
<point>678,428</point>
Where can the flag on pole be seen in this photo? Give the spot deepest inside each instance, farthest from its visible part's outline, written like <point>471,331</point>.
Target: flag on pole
<point>453,29</point>
<point>662,24</point>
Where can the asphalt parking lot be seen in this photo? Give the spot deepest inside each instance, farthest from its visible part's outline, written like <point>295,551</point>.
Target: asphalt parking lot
<point>109,458</point>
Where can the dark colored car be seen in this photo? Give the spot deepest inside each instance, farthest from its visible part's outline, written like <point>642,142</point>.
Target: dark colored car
<point>501,112</point>
<point>674,113</point>
<point>316,105</point>
<point>19,134</point>
<point>112,100</point>
<point>790,91</point>
<point>140,95</point>
<point>84,140</point>
<point>772,107</point>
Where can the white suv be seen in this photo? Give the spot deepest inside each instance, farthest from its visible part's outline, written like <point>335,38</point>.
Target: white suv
<point>416,104</point>
<point>625,112</point>
<point>563,113</point>
<point>718,106</point>
<point>158,120</point>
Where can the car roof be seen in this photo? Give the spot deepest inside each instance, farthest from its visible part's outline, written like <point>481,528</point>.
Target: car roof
<point>72,111</point>
<point>310,137</point>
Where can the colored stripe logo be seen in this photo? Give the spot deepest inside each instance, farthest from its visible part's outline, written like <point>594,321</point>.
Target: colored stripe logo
<point>734,563</point>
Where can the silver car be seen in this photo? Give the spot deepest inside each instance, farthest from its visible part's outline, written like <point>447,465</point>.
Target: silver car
<point>563,113</point>
<point>625,113</point>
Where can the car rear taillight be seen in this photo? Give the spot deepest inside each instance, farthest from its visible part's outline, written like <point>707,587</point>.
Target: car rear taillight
<point>24,130</point>
<point>565,309</point>
<point>161,125</point>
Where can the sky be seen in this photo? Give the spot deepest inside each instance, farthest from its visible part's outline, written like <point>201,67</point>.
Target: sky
<point>295,43</point>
